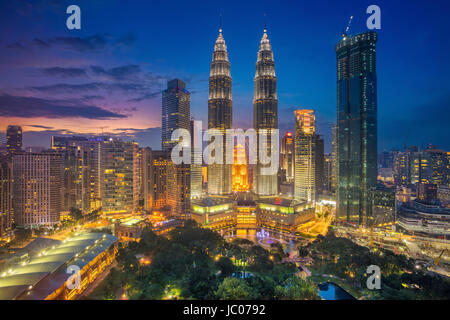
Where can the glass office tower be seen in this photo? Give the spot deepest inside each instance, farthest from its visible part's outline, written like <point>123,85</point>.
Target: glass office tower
<point>356,126</point>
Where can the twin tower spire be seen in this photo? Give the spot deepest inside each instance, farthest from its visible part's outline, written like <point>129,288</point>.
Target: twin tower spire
<point>220,111</point>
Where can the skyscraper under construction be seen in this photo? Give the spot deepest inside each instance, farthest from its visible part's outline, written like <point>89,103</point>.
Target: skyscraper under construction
<point>265,113</point>
<point>220,115</point>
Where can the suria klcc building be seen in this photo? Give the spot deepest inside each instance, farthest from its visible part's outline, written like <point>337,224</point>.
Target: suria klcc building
<point>356,126</point>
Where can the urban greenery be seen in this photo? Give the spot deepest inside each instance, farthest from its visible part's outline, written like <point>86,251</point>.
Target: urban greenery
<point>197,263</point>
<point>344,262</point>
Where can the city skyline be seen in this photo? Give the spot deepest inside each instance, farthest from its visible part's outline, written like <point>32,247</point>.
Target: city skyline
<point>187,163</point>
<point>66,76</point>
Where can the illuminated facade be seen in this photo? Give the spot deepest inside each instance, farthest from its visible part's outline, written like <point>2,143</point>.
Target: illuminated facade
<point>240,174</point>
<point>93,148</point>
<point>42,275</point>
<point>37,188</point>
<point>283,214</point>
<point>176,114</point>
<point>265,112</point>
<point>5,200</point>
<point>287,156</point>
<point>75,182</point>
<point>176,111</point>
<point>333,158</point>
<point>220,114</point>
<point>305,139</point>
<point>178,190</point>
<point>356,125</point>
<point>120,192</point>
<point>196,160</point>
<point>216,213</point>
<point>158,184</point>
<point>13,140</point>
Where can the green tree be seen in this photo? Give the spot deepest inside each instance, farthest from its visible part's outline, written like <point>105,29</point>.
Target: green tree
<point>295,288</point>
<point>226,266</point>
<point>235,289</point>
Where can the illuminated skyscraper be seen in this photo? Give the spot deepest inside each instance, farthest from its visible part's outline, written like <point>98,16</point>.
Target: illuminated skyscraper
<point>319,164</point>
<point>220,114</point>
<point>93,148</point>
<point>287,156</point>
<point>196,159</point>
<point>265,112</point>
<point>176,111</point>
<point>356,125</point>
<point>159,190</point>
<point>305,139</point>
<point>333,158</point>
<point>5,199</point>
<point>13,140</point>
<point>37,188</point>
<point>240,173</point>
<point>120,191</point>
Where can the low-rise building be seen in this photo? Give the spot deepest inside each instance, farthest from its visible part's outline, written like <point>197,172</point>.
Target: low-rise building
<point>425,218</point>
<point>44,275</point>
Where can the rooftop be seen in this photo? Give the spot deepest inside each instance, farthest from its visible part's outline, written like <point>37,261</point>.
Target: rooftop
<point>45,272</point>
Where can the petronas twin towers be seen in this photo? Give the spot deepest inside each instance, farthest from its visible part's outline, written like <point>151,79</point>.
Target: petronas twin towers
<point>220,113</point>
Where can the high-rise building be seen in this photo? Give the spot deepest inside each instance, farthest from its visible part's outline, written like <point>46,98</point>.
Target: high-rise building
<point>120,191</point>
<point>13,140</point>
<point>287,156</point>
<point>333,158</point>
<point>428,166</point>
<point>438,163</point>
<point>220,115</point>
<point>176,114</point>
<point>76,178</point>
<point>93,148</point>
<point>161,160</point>
<point>240,173</point>
<point>319,164</point>
<point>265,114</point>
<point>176,106</point>
<point>305,158</point>
<point>196,159</point>
<point>5,199</point>
<point>146,180</point>
<point>328,172</point>
<point>356,125</point>
<point>178,190</point>
<point>37,188</point>
<point>402,169</point>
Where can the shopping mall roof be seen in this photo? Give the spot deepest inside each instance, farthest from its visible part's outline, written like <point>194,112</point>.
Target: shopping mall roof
<point>46,272</point>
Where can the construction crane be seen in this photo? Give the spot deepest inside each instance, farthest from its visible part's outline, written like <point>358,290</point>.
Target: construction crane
<point>436,261</point>
<point>344,32</point>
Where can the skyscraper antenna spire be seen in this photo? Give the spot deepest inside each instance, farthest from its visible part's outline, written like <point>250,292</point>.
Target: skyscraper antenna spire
<point>265,23</point>
<point>220,22</point>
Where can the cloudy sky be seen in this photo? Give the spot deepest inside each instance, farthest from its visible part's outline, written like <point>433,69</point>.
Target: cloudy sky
<point>108,77</point>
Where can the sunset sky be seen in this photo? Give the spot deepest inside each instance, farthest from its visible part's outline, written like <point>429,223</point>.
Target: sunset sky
<point>108,76</point>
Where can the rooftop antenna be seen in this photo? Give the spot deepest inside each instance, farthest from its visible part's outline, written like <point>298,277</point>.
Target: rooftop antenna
<point>265,22</point>
<point>344,33</point>
<point>220,22</point>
